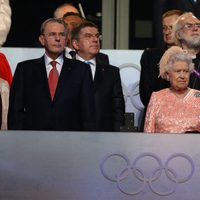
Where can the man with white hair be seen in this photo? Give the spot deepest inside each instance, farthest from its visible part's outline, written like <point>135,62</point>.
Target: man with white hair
<point>186,34</point>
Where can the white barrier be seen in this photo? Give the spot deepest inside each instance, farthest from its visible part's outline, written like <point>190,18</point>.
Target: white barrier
<point>99,166</point>
<point>127,60</point>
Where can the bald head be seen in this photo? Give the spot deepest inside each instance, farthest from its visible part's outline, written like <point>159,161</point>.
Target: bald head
<point>186,30</point>
<point>187,18</point>
<point>64,8</point>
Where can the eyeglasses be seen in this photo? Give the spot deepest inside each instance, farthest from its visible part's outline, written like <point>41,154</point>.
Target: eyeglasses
<point>189,26</point>
<point>54,34</point>
<point>166,28</point>
<point>89,36</point>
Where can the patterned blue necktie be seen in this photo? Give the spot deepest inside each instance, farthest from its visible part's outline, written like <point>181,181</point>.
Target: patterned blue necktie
<point>88,62</point>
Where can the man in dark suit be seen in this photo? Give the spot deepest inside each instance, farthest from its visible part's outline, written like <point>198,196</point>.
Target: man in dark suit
<point>187,36</point>
<point>72,19</point>
<point>33,107</point>
<point>109,100</point>
<point>149,80</point>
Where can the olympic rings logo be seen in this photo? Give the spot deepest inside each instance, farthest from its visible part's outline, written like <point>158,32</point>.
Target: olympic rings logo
<point>132,91</point>
<point>132,169</point>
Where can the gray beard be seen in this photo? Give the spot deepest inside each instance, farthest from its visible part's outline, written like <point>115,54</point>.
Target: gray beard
<point>192,42</point>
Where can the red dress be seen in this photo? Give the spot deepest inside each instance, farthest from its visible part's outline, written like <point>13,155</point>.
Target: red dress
<point>5,70</point>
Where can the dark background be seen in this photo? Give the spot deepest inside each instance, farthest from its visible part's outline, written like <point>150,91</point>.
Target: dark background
<point>27,17</point>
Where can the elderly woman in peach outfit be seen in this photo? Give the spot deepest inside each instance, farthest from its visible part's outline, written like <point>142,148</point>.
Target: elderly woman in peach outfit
<point>175,109</point>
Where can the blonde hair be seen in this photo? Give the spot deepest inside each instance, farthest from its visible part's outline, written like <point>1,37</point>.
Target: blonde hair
<point>172,55</point>
<point>172,12</point>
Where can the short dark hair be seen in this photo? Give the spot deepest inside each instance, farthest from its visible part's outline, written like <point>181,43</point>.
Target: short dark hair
<point>76,31</point>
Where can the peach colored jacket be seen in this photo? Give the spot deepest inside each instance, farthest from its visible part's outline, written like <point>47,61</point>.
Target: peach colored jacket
<point>167,113</point>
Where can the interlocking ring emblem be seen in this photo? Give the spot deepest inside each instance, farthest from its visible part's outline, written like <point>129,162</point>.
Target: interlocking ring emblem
<point>135,170</point>
<point>131,90</point>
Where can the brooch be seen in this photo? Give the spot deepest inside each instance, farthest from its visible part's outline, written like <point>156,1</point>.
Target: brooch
<point>197,94</point>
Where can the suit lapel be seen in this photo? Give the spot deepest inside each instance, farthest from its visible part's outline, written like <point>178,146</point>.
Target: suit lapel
<point>100,70</point>
<point>41,76</point>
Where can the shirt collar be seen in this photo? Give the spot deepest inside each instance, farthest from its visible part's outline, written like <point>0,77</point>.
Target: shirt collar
<point>93,61</point>
<point>67,49</point>
<point>59,60</point>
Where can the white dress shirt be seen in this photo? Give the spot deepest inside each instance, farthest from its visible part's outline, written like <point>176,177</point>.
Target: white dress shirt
<point>48,65</point>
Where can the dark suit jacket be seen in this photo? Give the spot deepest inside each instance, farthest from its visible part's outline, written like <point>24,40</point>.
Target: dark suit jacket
<point>149,80</point>
<point>109,99</point>
<point>102,59</point>
<point>194,79</point>
<point>30,105</point>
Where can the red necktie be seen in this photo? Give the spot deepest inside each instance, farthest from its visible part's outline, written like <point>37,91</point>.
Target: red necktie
<point>53,79</point>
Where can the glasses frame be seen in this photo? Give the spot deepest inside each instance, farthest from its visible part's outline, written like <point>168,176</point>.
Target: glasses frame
<point>167,27</point>
<point>190,26</point>
<point>54,34</point>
